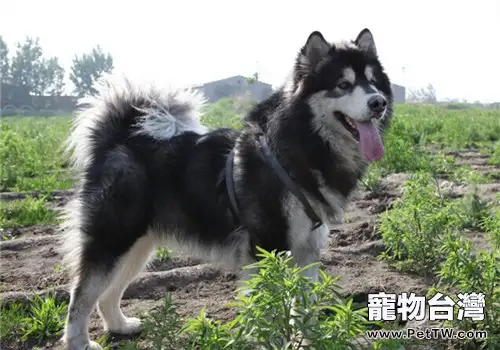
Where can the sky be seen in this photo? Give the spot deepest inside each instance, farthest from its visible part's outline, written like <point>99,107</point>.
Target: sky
<point>453,45</point>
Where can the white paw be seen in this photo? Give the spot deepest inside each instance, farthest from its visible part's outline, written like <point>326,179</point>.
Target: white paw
<point>131,325</point>
<point>80,344</point>
<point>246,292</point>
<point>93,346</point>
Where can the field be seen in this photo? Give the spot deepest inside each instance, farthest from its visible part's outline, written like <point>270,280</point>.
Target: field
<point>426,218</point>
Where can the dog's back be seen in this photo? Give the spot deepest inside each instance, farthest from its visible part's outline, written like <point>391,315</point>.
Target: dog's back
<point>263,111</point>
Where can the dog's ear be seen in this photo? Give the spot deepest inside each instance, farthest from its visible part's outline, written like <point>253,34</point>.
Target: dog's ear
<point>365,42</point>
<point>315,49</point>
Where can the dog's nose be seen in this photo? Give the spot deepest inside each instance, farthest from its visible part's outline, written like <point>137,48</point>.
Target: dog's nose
<point>377,103</point>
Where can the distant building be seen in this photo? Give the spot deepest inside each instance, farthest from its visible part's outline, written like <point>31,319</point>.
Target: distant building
<point>17,100</point>
<point>13,95</point>
<point>399,93</point>
<point>238,85</point>
<point>234,86</point>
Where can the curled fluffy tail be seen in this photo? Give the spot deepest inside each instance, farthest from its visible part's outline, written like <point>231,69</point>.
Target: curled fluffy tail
<point>121,108</point>
<point>103,125</point>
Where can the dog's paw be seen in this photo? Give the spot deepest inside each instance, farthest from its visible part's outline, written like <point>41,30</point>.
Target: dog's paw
<point>130,325</point>
<point>79,343</point>
<point>93,346</point>
<point>247,293</point>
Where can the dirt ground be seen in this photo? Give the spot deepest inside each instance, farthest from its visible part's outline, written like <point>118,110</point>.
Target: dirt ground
<point>30,262</point>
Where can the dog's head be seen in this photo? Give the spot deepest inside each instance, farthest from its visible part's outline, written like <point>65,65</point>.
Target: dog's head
<point>347,89</point>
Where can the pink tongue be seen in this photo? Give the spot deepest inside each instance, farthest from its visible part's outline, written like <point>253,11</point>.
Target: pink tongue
<point>369,140</point>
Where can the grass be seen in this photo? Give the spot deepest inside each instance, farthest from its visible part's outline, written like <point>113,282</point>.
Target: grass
<point>31,156</point>
<point>495,156</point>
<point>163,254</point>
<point>444,128</point>
<point>41,319</point>
<point>24,212</point>
<point>425,233</point>
<point>423,218</point>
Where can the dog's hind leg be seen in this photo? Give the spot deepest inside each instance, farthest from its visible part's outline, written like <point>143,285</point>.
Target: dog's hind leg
<point>91,283</point>
<point>104,284</point>
<point>127,268</point>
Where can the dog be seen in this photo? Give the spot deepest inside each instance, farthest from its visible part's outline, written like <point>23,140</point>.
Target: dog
<point>151,174</point>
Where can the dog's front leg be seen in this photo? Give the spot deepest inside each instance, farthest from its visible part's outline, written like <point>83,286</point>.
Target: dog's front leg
<point>308,252</point>
<point>303,257</point>
<point>305,254</point>
<point>246,275</point>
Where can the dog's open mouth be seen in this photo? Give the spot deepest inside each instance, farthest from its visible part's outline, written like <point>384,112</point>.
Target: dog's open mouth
<point>349,124</point>
<point>366,133</point>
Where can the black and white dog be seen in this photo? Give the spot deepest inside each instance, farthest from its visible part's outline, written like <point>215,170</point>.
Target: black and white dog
<point>153,175</point>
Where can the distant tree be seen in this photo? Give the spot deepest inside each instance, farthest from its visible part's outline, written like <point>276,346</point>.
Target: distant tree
<point>27,65</point>
<point>4,61</point>
<point>427,94</point>
<point>29,68</point>
<point>54,77</point>
<point>253,79</point>
<point>88,68</point>
<point>49,77</point>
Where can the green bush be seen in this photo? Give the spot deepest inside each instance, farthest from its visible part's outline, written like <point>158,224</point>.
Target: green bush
<point>28,211</point>
<point>416,225</point>
<point>41,319</point>
<point>31,156</point>
<point>265,318</point>
<point>495,156</point>
<point>425,233</point>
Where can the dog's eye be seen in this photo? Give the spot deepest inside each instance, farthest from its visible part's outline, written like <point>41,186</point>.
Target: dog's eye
<point>373,82</point>
<point>344,85</point>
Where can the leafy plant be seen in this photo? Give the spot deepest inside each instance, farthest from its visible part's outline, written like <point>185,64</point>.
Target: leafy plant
<point>45,319</point>
<point>163,326</point>
<point>495,156</point>
<point>276,313</point>
<point>12,317</point>
<point>372,178</point>
<point>163,254</point>
<point>471,271</point>
<point>424,233</point>
<point>42,318</point>
<point>31,157</point>
<point>28,211</point>
<point>415,226</point>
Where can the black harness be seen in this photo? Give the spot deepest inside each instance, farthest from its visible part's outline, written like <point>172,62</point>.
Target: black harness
<point>270,160</point>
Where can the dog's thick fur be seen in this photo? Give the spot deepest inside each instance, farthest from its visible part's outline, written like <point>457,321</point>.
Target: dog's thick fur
<point>152,174</point>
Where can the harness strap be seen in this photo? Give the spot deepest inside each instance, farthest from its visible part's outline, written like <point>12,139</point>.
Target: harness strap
<point>280,172</point>
<point>289,183</point>
<point>230,185</point>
